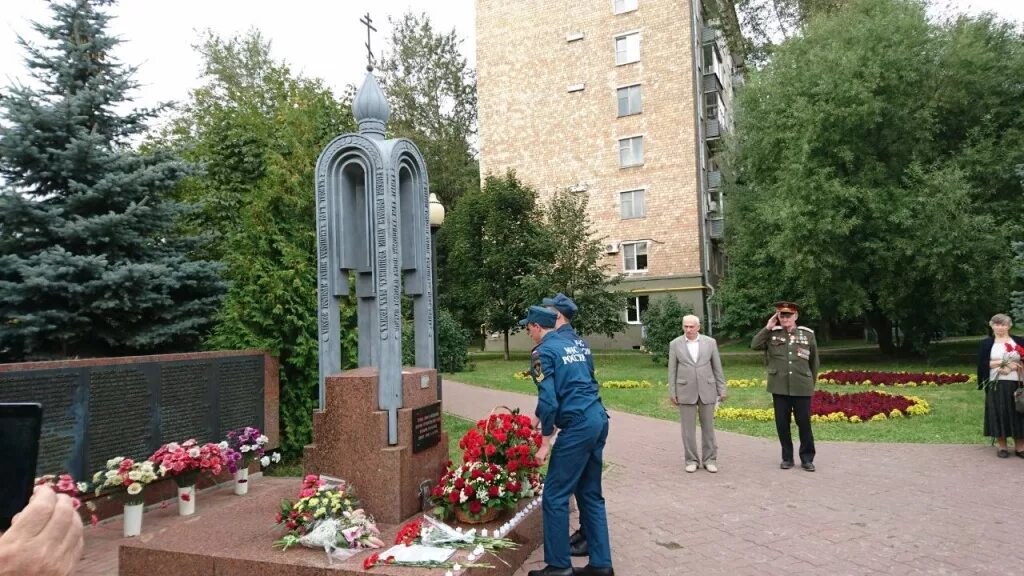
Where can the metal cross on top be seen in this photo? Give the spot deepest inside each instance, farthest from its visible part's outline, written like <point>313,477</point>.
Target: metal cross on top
<point>369,54</point>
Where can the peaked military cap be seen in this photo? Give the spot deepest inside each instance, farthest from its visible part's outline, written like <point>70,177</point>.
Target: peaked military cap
<point>787,307</point>
<point>541,316</point>
<point>563,304</point>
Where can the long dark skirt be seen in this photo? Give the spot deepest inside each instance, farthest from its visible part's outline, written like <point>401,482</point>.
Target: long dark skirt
<point>1001,417</point>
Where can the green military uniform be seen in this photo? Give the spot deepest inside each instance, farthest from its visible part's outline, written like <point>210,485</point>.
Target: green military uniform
<point>792,359</point>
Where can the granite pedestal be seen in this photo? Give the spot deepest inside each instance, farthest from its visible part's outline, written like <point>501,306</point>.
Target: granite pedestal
<point>350,441</point>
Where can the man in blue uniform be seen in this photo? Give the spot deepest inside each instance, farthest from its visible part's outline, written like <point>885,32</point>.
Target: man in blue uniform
<point>567,398</point>
<point>565,310</point>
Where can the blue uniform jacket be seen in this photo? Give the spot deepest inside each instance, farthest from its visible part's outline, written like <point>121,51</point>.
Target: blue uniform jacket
<point>565,384</point>
<point>569,333</point>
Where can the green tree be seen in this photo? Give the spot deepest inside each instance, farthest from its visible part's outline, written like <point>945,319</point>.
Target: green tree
<point>432,92</point>
<point>664,322</point>
<point>495,238</point>
<point>258,129</point>
<point>757,26</point>
<point>576,269</point>
<point>848,191</point>
<point>453,342</point>
<point>90,262</point>
<point>1017,310</point>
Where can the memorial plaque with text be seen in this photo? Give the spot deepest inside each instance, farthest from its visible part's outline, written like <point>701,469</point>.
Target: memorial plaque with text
<point>426,426</point>
<point>184,409</point>
<point>241,393</point>
<point>120,408</point>
<point>55,391</point>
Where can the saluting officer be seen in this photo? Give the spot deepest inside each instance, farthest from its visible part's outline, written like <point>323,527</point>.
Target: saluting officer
<point>791,354</point>
<point>565,310</point>
<point>567,398</point>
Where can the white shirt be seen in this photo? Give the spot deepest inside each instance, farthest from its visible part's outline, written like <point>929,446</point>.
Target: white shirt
<point>998,352</point>
<point>693,346</point>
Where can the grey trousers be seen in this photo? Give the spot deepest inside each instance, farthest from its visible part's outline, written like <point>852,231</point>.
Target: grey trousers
<point>709,446</point>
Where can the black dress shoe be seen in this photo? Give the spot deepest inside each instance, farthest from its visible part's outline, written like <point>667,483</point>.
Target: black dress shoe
<point>786,464</point>
<point>552,571</point>
<point>577,537</point>
<point>809,466</point>
<point>580,548</point>
<point>589,570</point>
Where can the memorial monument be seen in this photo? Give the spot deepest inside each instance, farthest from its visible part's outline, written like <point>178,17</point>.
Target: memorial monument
<point>378,426</point>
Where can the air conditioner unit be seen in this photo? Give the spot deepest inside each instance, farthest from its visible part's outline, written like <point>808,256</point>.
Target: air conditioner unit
<point>612,248</point>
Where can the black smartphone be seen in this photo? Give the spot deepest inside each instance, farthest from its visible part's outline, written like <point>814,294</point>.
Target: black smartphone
<point>20,428</point>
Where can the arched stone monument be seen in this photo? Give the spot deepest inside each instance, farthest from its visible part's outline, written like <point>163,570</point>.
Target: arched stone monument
<point>378,426</point>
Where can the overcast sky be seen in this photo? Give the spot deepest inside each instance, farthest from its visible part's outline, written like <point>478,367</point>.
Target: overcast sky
<point>320,38</point>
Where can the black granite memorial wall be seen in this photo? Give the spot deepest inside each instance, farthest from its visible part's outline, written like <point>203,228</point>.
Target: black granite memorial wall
<point>96,409</point>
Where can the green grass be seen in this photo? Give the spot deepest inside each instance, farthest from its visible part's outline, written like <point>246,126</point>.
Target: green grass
<point>955,418</point>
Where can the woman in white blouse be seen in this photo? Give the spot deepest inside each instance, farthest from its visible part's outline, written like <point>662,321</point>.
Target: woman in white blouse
<point>1000,372</point>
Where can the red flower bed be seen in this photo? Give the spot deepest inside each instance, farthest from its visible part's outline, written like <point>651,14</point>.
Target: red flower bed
<point>864,405</point>
<point>853,377</point>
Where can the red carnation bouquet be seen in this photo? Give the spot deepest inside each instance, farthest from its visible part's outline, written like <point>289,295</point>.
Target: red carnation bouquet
<point>508,440</point>
<point>477,491</point>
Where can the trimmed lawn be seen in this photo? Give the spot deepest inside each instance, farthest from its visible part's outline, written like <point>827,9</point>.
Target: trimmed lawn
<point>956,410</point>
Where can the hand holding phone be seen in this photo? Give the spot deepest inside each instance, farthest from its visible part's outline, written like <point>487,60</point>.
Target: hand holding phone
<point>45,538</point>
<point>20,428</point>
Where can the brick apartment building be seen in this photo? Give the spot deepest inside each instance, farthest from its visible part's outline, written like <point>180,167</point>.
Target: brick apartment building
<point>625,101</point>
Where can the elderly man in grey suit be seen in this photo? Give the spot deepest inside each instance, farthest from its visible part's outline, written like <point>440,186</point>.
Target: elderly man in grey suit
<point>696,385</point>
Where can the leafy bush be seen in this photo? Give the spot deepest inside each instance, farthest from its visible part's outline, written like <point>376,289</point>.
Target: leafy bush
<point>664,322</point>
<point>454,343</point>
<point>1018,297</point>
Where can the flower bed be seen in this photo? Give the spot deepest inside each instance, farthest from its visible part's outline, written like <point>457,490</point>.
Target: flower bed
<point>746,383</point>
<point>834,407</point>
<point>896,379</point>
<point>626,384</point>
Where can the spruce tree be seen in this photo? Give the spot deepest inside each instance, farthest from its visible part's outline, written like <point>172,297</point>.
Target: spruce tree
<point>90,260</point>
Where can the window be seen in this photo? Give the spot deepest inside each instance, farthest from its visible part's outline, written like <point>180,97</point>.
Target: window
<point>711,106</point>
<point>629,100</point>
<point>631,151</point>
<point>634,256</point>
<point>620,6</point>
<point>711,58</point>
<point>627,48</point>
<point>635,308</point>
<point>632,204</point>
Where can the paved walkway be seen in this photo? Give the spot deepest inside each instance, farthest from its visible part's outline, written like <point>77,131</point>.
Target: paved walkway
<point>869,509</point>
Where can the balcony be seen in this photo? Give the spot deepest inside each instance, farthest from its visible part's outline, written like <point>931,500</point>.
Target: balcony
<point>711,83</point>
<point>712,131</point>
<point>708,35</point>
<point>716,228</point>
<point>714,179</point>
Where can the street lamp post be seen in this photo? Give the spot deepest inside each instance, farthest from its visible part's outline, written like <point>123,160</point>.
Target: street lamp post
<point>436,220</point>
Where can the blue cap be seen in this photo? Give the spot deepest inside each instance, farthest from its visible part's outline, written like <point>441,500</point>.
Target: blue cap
<point>563,304</point>
<point>541,316</point>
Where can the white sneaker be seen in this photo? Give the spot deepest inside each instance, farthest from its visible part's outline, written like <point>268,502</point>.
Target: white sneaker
<point>711,468</point>
<point>691,467</point>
